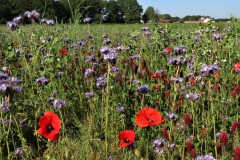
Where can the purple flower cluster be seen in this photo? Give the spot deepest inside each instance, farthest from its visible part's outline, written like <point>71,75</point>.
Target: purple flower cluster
<point>109,54</point>
<point>171,115</point>
<point>32,14</point>
<point>143,89</point>
<point>207,69</point>
<point>179,50</point>
<point>49,22</point>
<point>12,26</point>
<point>192,96</point>
<point>89,94</point>
<point>88,72</point>
<point>18,19</point>
<point>176,80</point>
<point>9,85</point>
<point>114,70</point>
<point>5,107</point>
<point>87,20</point>
<point>20,151</point>
<point>206,157</point>
<point>145,28</point>
<point>191,61</point>
<point>42,81</point>
<point>159,144</point>
<point>176,60</point>
<point>81,43</point>
<point>120,109</point>
<point>58,103</point>
<point>101,81</point>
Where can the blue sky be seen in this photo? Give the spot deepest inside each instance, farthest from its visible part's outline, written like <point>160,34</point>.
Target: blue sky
<point>182,8</point>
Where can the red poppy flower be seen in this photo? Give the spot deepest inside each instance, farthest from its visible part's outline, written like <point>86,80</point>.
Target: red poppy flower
<point>169,49</point>
<point>148,117</point>
<point>127,137</point>
<point>236,66</point>
<point>156,75</point>
<point>63,51</point>
<point>15,43</point>
<point>50,125</point>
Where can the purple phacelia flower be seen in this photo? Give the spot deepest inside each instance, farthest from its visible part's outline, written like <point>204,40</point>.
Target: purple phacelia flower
<point>58,103</point>
<point>179,50</point>
<point>120,109</point>
<point>33,14</point>
<point>20,151</point>
<point>42,81</point>
<point>12,26</point>
<point>89,94</point>
<point>206,157</point>
<point>4,106</point>
<point>88,72</point>
<point>176,80</point>
<point>18,19</point>
<point>101,81</point>
<point>21,123</point>
<point>192,96</point>
<point>143,89</point>
<point>171,115</point>
<point>176,60</point>
<point>87,20</point>
<point>145,28</point>
<point>114,70</point>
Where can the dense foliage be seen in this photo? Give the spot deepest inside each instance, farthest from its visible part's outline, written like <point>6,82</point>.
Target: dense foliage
<point>112,11</point>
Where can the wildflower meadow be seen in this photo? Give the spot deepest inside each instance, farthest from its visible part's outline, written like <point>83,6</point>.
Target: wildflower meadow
<point>115,92</point>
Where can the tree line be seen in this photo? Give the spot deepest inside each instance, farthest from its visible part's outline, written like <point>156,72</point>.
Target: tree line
<point>153,15</point>
<point>65,11</point>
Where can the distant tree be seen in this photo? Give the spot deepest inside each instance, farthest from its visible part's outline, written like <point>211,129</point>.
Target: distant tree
<point>149,14</point>
<point>145,18</point>
<point>112,12</point>
<point>176,19</point>
<point>166,17</point>
<point>5,11</point>
<point>191,18</point>
<point>157,14</point>
<point>131,10</point>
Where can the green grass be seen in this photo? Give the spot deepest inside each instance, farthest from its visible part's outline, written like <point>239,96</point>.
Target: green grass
<point>90,127</point>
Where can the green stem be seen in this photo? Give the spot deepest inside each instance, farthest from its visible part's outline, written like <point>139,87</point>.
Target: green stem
<point>106,112</point>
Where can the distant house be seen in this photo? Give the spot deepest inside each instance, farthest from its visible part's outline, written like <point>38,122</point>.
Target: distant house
<point>206,20</point>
